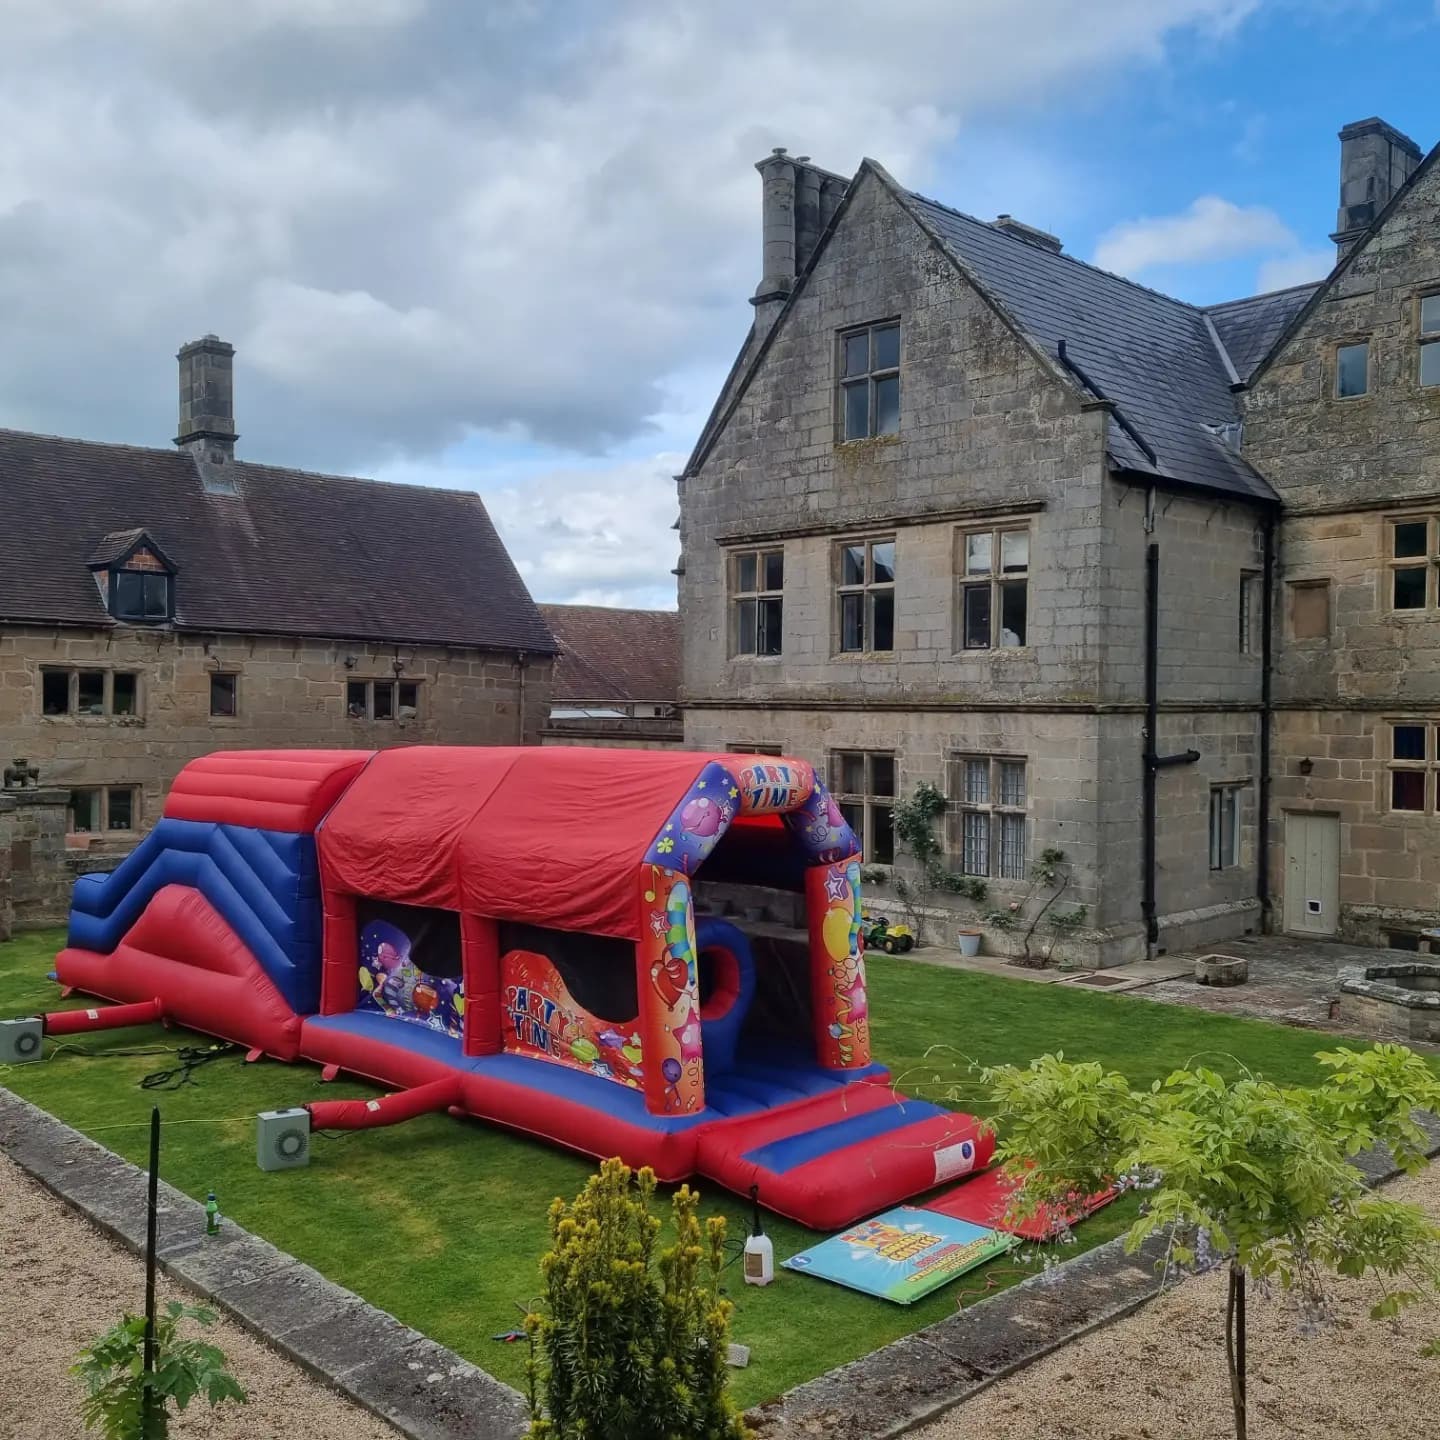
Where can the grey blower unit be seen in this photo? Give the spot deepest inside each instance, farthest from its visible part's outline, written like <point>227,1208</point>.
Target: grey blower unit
<point>21,1040</point>
<point>282,1139</point>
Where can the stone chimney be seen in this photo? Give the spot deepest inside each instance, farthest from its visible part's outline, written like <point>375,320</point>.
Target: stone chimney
<point>798,201</point>
<point>207,400</point>
<point>1375,161</point>
<point>1041,239</point>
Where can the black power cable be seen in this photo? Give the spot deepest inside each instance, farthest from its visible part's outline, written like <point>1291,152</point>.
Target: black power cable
<point>189,1059</point>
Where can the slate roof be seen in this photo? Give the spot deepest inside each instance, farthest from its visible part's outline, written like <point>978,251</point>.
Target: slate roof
<point>614,655</point>
<point>1151,354</point>
<point>1248,328</point>
<point>290,553</point>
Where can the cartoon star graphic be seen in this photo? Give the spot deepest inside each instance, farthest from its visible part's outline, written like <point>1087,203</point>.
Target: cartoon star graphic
<point>835,887</point>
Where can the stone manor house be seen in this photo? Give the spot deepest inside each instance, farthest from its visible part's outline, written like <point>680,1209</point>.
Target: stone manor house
<point>1153,585</point>
<point>159,604</point>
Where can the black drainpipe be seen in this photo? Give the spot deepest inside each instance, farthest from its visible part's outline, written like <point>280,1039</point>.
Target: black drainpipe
<point>1262,819</point>
<point>1152,761</point>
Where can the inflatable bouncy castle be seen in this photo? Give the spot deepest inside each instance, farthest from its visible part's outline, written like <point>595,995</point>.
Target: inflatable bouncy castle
<point>513,934</point>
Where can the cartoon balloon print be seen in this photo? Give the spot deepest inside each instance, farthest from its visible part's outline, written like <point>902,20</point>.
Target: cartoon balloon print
<point>700,817</point>
<point>670,1070</point>
<point>835,931</point>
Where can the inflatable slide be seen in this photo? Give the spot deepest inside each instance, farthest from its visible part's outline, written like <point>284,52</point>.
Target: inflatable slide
<point>513,934</point>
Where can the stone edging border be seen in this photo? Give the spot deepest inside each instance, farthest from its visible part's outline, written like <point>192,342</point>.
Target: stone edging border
<point>430,1393</point>
<point>424,1390</point>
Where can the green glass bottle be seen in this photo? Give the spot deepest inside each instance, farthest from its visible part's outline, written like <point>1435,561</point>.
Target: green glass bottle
<point>212,1215</point>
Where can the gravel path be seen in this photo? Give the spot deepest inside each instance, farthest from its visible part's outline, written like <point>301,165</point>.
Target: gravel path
<point>1160,1373</point>
<point>62,1282</point>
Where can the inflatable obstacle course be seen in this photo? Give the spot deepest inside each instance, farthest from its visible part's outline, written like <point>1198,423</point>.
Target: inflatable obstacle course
<point>512,934</point>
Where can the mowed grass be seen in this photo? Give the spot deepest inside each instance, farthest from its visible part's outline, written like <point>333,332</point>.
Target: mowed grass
<point>442,1222</point>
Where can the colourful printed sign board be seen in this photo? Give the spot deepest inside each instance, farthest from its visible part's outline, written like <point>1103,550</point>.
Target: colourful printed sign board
<point>903,1254</point>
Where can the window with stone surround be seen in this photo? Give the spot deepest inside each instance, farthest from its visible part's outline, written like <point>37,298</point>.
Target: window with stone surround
<point>91,694</point>
<point>1309,609</point>
<point>757,601</point>
<point>744,747</point>
<point>986,821</point>
<point>870,381</point>
<point>1413,756</point>
<point>95,809</point>
<point>865,595</point>
<point>862,783</point>
<point>992,588</point>
<point>1251,606</point>
<point>1411,548</point>
<point>224,695</point>
<point>382,699</point>
<point>1430,339</point>
<point>1225,826</point>
<point>1352,369</point>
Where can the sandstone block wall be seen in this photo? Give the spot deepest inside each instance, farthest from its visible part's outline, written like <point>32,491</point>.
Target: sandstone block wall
<point>291,693</point>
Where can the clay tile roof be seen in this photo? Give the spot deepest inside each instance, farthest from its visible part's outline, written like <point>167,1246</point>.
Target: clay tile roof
<point>289,553</point>
<point>615,655</point>
<point>115,546</point>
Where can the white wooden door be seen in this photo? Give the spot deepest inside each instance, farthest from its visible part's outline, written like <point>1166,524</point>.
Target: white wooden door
<point>1312,873</point>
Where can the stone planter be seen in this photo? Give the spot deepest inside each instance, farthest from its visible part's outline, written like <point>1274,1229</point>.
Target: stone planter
<point>1399,1001</point>
<point>1222,970</point>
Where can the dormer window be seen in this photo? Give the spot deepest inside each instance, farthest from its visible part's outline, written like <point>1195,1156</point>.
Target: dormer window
<point>136,578</point>
<point>140,596</point>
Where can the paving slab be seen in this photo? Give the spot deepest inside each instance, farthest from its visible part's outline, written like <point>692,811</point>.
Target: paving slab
<point>910,1377</point>
<point>432,1389</point>
<point>1291,981</point>
<point>1049,1309</point>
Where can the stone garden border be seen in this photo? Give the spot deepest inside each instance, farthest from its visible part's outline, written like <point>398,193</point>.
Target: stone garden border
<point>430,1393</point>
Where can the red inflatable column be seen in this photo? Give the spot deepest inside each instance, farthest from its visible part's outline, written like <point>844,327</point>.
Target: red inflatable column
<point>480,952</point>
<point>667,983</point>
<point>340,968</point>
<point>837,967</point>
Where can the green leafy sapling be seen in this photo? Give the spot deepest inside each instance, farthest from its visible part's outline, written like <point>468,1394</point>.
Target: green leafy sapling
<point>117,1388</point>
<point>1258,1174</point>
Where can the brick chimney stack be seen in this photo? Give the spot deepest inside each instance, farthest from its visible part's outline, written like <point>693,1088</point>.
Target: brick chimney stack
<point>1375,161</point>
<point>207,400</point>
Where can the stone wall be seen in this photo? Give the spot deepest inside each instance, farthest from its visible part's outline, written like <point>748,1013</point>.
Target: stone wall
<point>1389,861</point>
<point>1354,665</point>
<point>35,881</point>
<point>291,693</point>
<point>616,734</point>
<point>989,435</point>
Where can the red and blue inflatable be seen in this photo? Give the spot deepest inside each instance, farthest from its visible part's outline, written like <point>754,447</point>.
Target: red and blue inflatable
<point>516,931</point>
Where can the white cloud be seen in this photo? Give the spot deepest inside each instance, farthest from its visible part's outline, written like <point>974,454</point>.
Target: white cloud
<point>597,535</point>
<point>1300,268</point>
<point>1211,229</point>
<point>421,220</point>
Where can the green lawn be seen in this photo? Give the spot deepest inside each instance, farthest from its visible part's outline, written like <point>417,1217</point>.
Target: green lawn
<point>442,1222</point>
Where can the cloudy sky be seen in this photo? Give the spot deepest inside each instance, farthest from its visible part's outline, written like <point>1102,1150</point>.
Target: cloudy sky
<point>507,244</point>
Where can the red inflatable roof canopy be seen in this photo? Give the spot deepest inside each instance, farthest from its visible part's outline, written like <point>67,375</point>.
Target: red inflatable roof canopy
<point>552,836</point>
<point>288,790</point>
